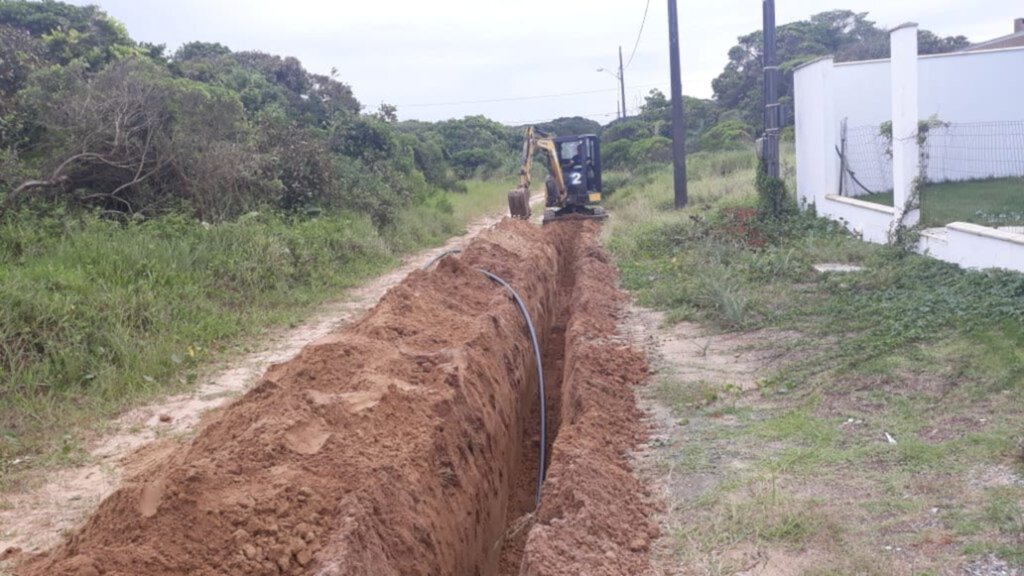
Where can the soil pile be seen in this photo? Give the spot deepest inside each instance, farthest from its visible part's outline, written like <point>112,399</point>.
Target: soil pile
<point>405,445</point>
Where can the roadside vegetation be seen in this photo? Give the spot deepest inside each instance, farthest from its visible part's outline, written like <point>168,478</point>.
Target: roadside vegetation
<point>881,433</point>
<point>100,314</point>
<point>156,208</point>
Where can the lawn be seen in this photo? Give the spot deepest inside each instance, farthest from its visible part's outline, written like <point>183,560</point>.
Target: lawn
<point>998,201</point>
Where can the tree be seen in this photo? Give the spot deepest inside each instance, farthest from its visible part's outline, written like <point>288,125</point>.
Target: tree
<point>90,118</point>
<point>569,126</point>
<point>20,54</point>
<point>70,32</point>
<point>655,120</point>
<point>133,138</point>
<point>192,51</point>
<point>845,34</point>
<point>387,112</point>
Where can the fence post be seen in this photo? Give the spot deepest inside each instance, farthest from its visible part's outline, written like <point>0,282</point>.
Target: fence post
<point>905,148</point>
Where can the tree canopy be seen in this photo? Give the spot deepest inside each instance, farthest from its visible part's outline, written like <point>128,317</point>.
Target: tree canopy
<point>845,34</point>
<point>92,119</point>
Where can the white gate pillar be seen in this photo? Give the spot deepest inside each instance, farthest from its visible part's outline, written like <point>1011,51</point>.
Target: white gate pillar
<point>905,148</point>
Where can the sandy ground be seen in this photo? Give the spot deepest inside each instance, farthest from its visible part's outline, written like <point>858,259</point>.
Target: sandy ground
<point>57,501</point>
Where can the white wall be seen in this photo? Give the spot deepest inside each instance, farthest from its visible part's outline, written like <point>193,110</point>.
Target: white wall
<point>869,221</point>
<point>817,167</point>
<point>973,246</point>
<point>960,88</point>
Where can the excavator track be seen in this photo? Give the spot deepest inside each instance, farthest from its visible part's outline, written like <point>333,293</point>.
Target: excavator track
<point>594,213</point>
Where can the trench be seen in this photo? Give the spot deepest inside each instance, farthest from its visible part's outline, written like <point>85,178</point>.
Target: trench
<point>406,444</point>
<point>521,502</point>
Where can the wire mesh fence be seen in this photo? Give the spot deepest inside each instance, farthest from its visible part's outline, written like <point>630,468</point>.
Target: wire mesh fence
<point>952,153</point>
<point>866,162</point>
<point>974,171</point>
<point>975,151</point>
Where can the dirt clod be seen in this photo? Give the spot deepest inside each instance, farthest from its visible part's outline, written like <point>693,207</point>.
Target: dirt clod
<point>638,545</point>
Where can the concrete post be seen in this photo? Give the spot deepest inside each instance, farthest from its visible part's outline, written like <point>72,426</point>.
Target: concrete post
<point>905,148</point>
<point>817,173</point>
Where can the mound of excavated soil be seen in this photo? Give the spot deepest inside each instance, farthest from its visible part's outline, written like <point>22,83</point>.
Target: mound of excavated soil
<point>408,443</point>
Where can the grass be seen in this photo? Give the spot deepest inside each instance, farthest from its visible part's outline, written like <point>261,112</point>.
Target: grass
<point>921,351</point>
<point>96,316</point>
<point>993,202</point>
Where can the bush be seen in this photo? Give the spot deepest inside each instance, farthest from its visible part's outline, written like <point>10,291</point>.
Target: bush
<point>617,155</point>
<point>477,162</point>
<point>629,129</point>
<point>727,135</point>
<point>653,150</point>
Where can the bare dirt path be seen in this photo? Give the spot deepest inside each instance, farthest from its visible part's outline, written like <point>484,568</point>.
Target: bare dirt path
<point>56,501</point>
<point>761,478</point>
<point>691,364</point>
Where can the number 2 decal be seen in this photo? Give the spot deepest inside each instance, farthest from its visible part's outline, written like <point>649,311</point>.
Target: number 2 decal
<point>577,178</point>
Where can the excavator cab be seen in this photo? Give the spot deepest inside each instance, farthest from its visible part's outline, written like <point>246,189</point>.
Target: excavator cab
<point>573,184</point>
<point>580,159</point>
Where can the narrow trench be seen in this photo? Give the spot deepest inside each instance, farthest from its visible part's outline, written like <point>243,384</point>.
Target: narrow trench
<point>522,497</point>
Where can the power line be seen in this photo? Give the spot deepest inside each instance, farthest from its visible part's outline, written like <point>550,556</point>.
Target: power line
<point>639,34</point>
<point>516,98</point>
<point>541,121</point>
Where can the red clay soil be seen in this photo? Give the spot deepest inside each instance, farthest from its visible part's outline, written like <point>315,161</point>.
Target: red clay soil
<point>406,444</point>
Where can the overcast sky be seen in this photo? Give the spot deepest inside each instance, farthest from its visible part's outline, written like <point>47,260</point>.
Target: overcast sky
<point>439,59</point>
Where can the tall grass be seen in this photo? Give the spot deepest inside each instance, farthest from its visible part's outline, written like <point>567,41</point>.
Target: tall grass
<point>713,179</point>
<point>97,315</point>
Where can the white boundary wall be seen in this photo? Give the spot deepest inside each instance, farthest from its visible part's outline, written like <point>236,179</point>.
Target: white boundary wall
<point>963,87</point>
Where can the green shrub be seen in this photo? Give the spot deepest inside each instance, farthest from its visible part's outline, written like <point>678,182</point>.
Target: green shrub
<point>727,135</point>
<point>653,150</point>
<point>617,155</point>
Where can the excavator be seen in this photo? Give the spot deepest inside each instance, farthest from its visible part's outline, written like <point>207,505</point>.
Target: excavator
<point>573,184</point>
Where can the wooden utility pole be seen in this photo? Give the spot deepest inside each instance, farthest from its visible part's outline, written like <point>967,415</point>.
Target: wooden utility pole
<point>678,127</point>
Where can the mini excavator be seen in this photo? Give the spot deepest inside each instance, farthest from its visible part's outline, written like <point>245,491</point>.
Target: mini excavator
<point>574,177</point>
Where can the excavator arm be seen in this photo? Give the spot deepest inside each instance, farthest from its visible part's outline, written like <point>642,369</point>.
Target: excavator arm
<point>519,199</point>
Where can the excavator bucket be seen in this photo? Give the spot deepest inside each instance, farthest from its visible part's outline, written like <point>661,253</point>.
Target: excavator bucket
<point>519,203</point>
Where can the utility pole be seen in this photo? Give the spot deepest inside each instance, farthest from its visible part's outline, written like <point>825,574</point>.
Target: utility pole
<point>772,119</point>
<point>678,127</point>
<point>622,83</point>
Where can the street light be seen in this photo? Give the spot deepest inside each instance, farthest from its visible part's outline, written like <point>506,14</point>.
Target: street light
<point>622,81</point>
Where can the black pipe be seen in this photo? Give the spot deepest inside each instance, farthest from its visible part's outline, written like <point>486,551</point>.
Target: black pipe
<point>540,369</point>
<point>441,255</point>
<point>540,381</point>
